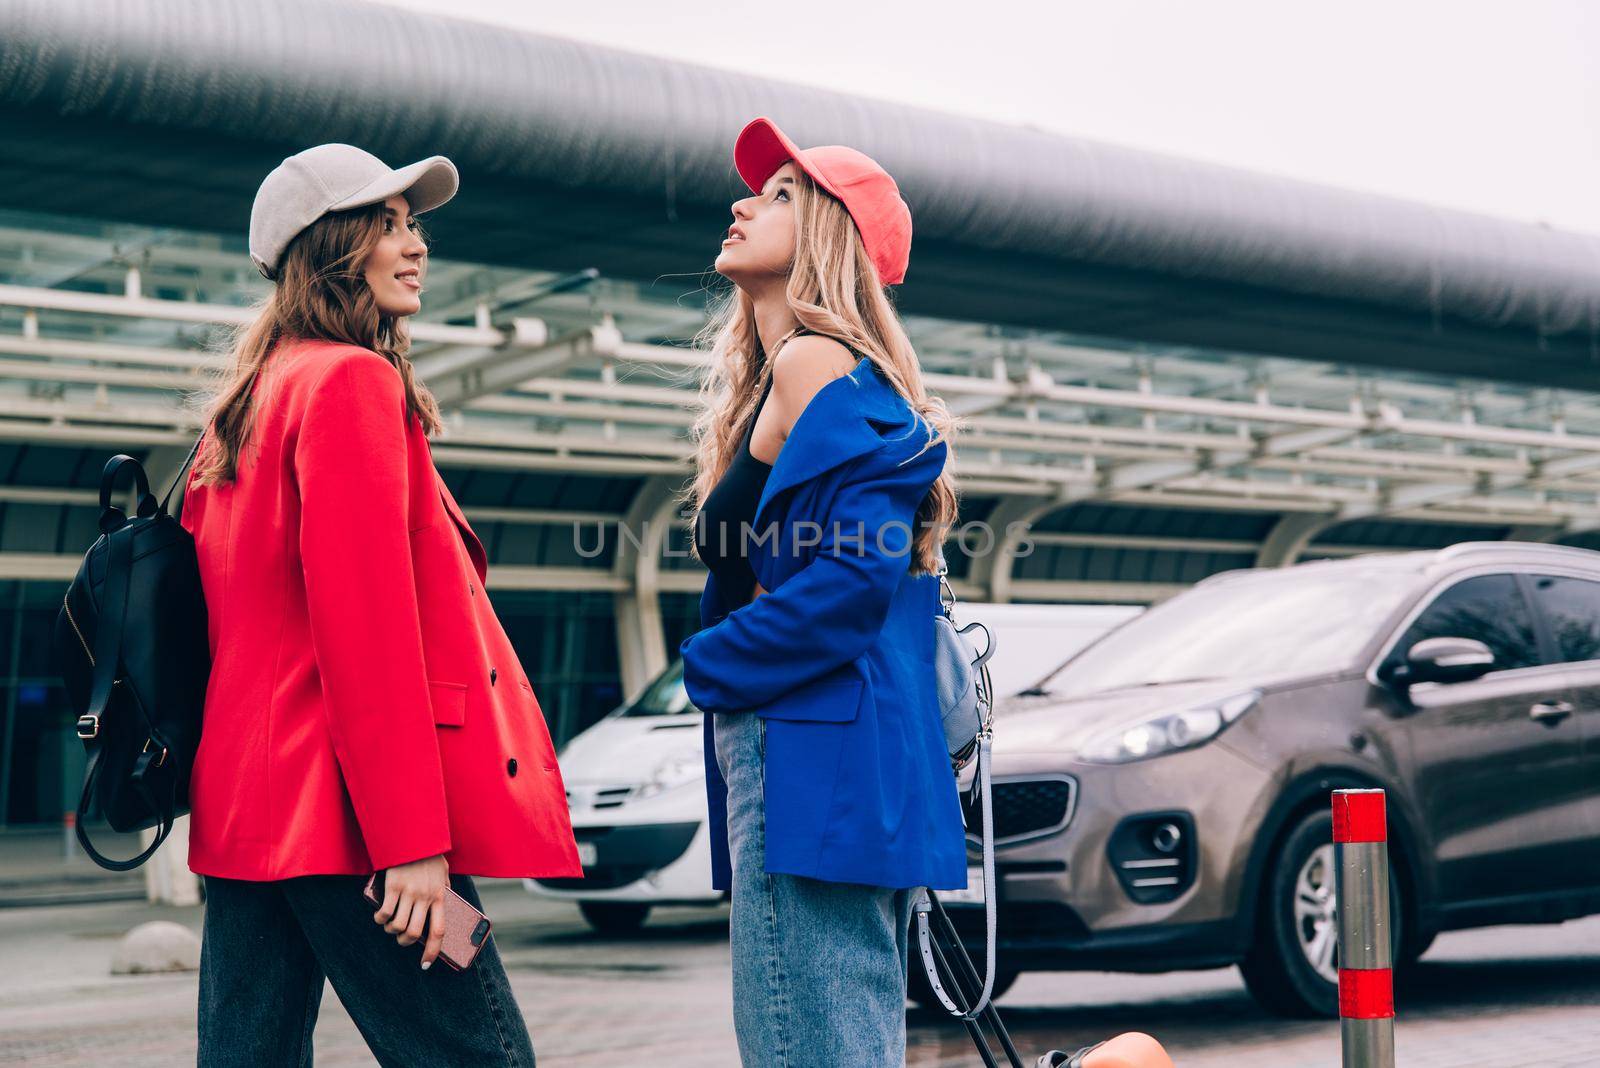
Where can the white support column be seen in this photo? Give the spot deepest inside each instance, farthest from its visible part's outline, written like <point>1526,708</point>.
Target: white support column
<point>1290,536</point>
<point>1009,523</point>
<point>641,640</point>
<point>167,878</point>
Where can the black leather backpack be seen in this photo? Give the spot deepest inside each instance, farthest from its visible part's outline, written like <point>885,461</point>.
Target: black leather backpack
<point>130,643</point>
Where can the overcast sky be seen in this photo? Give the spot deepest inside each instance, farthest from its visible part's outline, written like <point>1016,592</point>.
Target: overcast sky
<point>1487,106</point>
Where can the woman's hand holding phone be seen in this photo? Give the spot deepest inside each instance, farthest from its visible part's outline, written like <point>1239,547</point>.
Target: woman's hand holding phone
<point>413,901</point>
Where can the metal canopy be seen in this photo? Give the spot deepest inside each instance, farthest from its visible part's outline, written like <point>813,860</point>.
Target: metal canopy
<point>576,156</point>
<point>103,332</point>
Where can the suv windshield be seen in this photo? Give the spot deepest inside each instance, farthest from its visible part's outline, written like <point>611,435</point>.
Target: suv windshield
<point>1284,622</point>
<point>665,696</point>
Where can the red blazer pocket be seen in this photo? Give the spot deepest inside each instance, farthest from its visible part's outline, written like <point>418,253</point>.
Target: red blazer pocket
<point>449,702</point>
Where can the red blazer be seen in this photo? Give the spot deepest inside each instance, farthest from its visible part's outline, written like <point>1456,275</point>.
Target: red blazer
<point>365,707</point>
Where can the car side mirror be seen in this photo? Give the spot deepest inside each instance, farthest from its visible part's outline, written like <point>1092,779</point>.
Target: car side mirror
<point>1444,660</point>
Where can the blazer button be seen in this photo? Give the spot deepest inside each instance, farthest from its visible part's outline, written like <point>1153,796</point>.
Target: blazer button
<point>511,767</point>
<point>471,590</point>
<point>492,674</point>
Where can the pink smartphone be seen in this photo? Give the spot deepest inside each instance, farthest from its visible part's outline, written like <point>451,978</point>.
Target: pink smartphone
<point>465,928</point>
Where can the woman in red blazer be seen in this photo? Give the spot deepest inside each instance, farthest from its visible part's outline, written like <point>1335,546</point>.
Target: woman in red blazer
<point>365,711</point>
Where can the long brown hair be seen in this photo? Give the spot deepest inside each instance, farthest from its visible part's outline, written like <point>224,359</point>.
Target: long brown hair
<point>832,289</point>
<point>321,294</point>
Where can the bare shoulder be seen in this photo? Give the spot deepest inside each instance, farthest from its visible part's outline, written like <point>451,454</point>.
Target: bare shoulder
<point>804,365</point>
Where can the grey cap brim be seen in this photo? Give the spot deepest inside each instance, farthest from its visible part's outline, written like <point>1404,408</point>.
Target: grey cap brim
<point>425,184</point>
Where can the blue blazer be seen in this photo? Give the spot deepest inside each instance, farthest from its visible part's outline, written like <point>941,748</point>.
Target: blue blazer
<point>838,656</point>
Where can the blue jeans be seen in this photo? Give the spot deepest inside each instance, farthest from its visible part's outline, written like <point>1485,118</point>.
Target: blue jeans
<point>819,968</point>
<point>267,947</point>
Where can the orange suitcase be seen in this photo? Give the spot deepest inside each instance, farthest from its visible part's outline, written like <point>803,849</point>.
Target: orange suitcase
<point>958,979</point>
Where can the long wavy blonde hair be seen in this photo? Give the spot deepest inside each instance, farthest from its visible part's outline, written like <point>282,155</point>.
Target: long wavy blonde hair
<point>832,289</point>
<point>322,294</point>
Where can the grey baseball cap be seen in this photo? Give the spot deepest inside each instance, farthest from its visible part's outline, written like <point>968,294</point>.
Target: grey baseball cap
<point>309,184</point>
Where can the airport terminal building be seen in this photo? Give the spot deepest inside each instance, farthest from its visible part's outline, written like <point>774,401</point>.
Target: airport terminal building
<point>1165,368</point>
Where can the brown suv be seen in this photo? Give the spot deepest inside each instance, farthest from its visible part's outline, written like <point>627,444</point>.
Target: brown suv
<point>1162,798</point>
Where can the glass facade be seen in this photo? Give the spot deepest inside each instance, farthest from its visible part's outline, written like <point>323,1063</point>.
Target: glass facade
<point>567,642</point>
<point>43,770</point>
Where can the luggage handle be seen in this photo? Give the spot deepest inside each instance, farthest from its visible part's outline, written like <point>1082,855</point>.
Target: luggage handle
<point>959,967</point>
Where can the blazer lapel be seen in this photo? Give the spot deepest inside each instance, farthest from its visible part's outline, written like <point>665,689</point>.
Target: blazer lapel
<point>480,559</point>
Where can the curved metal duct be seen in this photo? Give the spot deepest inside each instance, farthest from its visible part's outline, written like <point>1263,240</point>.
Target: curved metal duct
<point>576,114</point>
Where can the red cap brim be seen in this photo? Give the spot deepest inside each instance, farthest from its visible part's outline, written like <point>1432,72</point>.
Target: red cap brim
<point>761,148</point>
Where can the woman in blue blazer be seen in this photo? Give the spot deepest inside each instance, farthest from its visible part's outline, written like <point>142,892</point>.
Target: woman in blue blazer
<point>822,496</point>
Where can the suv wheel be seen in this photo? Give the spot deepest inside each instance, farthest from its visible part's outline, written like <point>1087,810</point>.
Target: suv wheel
<point>614,917</point>
<point>1413,950</point>
<point>1293,965</point>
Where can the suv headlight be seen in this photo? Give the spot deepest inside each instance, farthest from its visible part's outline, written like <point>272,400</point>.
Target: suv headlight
<point>1169,731</point>
<point>673,772</point>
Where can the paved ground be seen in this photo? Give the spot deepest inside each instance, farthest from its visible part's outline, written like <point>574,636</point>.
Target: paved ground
<point>46,866</point>
<point>1503,997</point>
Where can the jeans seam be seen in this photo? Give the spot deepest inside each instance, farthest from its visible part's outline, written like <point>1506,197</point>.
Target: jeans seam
<point>308,1024</point>
<point>494,1014</point>
<point>775,977</point>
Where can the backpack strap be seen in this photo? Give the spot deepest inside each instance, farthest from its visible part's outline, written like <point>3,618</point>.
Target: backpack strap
<point>179,477</point>
<point>803,331</point>
<point>922,907</point>
<point>982,789</point>
<point>143,764</point>
<point>108,648</point>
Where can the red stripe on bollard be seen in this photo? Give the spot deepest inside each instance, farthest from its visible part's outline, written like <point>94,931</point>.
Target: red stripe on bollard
<point>1359,816</point>
<point>1366,993</point>
<point>1366,981</point>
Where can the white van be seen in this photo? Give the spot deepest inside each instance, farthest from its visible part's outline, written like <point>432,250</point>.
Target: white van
<point>636,780</point>
<point>1034,639</point>
<point>636,790</point>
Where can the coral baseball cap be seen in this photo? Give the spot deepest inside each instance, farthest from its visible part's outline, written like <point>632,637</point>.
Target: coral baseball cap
<point>868,193</point>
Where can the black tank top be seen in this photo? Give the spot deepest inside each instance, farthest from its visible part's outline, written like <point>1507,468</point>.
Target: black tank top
<point>719,538</point>
<point>719,535</point>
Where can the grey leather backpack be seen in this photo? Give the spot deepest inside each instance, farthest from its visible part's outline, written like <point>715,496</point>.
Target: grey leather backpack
<point>961,675</point>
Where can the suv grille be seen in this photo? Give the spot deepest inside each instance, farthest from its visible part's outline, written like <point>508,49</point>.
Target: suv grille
<point>1025,808</point>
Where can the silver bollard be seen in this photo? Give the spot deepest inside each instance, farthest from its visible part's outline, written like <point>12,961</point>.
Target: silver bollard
<point>1366,965</point>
